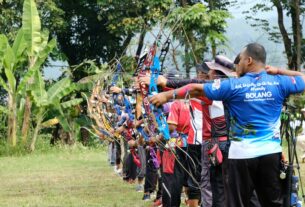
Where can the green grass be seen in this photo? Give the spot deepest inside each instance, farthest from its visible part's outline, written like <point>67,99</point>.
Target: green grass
<point>67,177</point>
<point>79,177</point>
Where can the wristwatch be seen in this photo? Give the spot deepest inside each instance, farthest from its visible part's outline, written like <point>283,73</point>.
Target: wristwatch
<point>175,94</point>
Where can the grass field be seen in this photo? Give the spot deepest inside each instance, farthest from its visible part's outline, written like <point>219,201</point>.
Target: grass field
<point>70,177</point>
<point>65,178</point>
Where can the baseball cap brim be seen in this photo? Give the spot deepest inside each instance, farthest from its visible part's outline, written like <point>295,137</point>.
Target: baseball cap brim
<point>216,66</point>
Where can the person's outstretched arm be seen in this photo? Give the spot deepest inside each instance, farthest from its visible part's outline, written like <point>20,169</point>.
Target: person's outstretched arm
<point>278,71</point>
<point>192,90</point>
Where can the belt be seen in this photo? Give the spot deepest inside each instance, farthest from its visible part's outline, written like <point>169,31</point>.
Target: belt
<point>220,139</point>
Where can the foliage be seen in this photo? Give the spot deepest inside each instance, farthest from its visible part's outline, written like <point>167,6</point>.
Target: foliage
<point>11,16</point>
<point>86,36</point>
<point>195,27</point>
<point>30,46</point>
<point>291,37</point>
<point>8,150</point>
<point>262,23</point>
<point>295,103</point>
<point>132,16</point>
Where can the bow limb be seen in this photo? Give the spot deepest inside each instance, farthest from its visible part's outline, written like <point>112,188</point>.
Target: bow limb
<point>153,89</point>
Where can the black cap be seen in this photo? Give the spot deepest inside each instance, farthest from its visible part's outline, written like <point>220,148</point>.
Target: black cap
<point>172,74</point>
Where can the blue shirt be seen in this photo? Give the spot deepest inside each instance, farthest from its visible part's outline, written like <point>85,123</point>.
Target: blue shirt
<point>255,103</point>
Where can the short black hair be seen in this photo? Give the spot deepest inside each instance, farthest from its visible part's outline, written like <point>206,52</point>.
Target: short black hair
<point>257,52</point>
<point>237,59</point>
<point>202,67</point>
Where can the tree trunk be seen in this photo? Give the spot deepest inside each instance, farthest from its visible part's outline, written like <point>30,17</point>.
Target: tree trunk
<point>12,121</point>
<point>175,60</point>
<point>297,34</point>
<point>28,106</point>
<point>187,60</point>
<point>141,44</point>
<point>191,39</point>
<point>26,119</point>
<point>286,39</point>
<point>126,43</point>
<point>85,136</point>
<point>213,43</point>
<point>213,49</point>
<point>55,135</point>
<point>36,131</point>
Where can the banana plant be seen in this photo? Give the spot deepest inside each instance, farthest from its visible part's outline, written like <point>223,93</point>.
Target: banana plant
<point>37,51</point>
<point>31,45</point>
<point>45,100</point>
<point>8,62</point>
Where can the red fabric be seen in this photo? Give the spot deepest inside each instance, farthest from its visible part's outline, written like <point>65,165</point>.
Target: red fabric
<point>168,160</point>
<point>215,154</point>
<point>159,157</point>
<point>208,121</point>
<point>128,134</point>
<point>166,89</point>
<point>179,115</point>
<point>200,126</point>
<point>136,158</point>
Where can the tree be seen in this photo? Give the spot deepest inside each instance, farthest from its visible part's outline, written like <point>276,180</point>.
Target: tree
<point>133,17</point>
<point>11,16</point>
<point>31,45</point>
<point>196,28</point>
<point>11,21</point>
<point>292,39</point>
<point>86,36</point>
<point>218,26</point>
<point>51,99</point>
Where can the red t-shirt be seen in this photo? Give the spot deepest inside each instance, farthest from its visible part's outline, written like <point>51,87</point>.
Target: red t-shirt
<point>179,115</point>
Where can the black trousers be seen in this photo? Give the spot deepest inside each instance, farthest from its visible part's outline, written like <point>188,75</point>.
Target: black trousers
<point>218,177</point>
<point>118,152</point>
<point>151,175</point>
<point>260,174</point>
<point>129,168</point>
<point>194,168</point>
<point>173,183</point>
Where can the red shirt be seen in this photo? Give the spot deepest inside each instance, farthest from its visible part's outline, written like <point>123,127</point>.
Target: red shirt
<point>179,115</point>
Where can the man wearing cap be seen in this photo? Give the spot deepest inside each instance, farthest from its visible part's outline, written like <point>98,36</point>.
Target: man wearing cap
<point>208,122</point>
<point>255,102</point>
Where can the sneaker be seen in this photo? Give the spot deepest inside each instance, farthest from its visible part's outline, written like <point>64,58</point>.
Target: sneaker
<point>119,172</point>
<point>146,197</point>
<point>158,203</point>
<point>154,195</point>
<point>139,188</point>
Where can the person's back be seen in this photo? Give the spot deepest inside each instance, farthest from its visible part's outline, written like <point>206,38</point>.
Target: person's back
<point>255,103</point>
